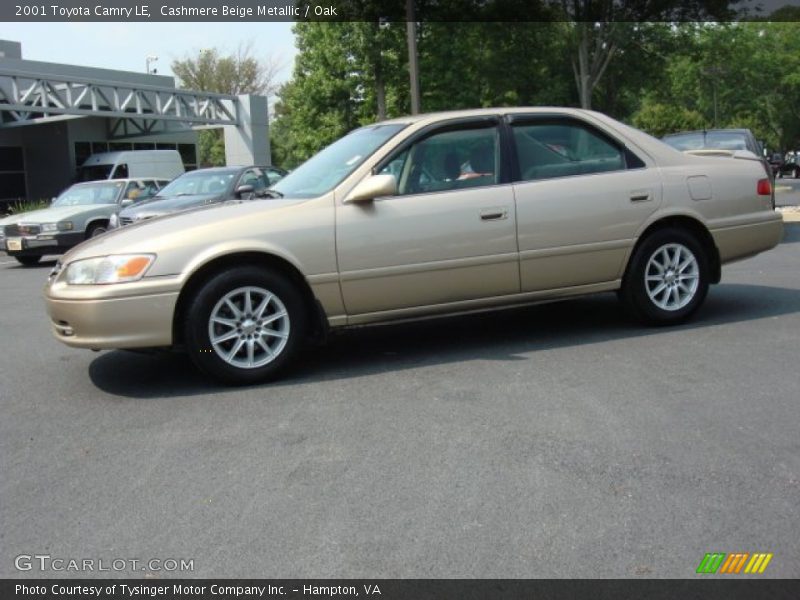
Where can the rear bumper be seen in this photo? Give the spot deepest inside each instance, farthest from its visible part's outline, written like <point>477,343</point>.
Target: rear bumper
<point>741,241</point>
<point>129,322</point>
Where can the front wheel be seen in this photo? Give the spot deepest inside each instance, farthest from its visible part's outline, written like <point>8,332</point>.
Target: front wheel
<point>28,261</point>
<point>245,325</point>
<point>667,278</point>
<point>96,229</point>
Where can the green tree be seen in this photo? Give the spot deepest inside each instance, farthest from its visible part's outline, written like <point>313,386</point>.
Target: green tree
<point>237,73</point>
<point>739,75</point>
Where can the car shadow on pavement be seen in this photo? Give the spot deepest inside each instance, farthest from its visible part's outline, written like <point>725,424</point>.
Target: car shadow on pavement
<point>41,265</point>
<point>508,335</point>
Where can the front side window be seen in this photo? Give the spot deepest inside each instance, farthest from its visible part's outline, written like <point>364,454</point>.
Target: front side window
<point>254,177</point>
<point>121,172</point>
<point>450,160</point>
<point>550,149</point>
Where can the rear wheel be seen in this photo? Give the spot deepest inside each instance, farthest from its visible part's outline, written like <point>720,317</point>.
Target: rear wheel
<point>245,325</point>
<point>667,278</point>
<point>28,261</point>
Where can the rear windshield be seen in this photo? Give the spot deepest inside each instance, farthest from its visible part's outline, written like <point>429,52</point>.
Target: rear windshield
<point>724,140</point>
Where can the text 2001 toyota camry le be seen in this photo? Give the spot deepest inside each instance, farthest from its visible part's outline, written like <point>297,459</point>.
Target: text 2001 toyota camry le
<point>422,215</point>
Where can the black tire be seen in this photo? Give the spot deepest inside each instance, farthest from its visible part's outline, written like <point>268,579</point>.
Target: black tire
<point>655,307</point>
<point>209,300</point>
<point>96,229</point>
<point>28,261</point>
<point>797,173</point>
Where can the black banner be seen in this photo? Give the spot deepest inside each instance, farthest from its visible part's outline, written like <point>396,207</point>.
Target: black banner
<point>394,589</point>
<point>394,10</point>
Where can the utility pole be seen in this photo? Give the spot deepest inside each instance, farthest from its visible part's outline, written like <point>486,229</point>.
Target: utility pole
<point>413,67</point>
<point>150,59</point>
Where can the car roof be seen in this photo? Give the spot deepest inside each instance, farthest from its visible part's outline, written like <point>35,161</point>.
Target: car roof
<point>121,180</point>
<point>480,112</point>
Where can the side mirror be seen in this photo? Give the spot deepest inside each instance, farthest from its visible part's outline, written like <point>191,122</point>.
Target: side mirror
<point>373,187</point>
<point>244,189</point>
<point>126,202</point>
<point>53,199</point>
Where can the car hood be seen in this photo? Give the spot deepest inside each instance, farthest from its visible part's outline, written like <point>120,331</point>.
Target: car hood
<point>10,219</point>
<point>190,233</point>
<point>60,213</point>
<point>160,206</point>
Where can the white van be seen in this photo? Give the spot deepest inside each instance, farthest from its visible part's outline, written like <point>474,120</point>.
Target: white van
<point>154,164</point>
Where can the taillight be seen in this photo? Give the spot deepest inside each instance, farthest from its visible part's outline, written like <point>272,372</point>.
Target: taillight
<point>764,187</point>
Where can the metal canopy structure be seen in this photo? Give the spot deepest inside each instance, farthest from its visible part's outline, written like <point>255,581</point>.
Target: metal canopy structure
<point>27,98</point>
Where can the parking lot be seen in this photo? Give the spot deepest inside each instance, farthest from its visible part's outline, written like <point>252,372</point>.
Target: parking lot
<point>560,440</point>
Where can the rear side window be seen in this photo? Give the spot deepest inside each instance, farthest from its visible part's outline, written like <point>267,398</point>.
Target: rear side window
<point>550,149</point>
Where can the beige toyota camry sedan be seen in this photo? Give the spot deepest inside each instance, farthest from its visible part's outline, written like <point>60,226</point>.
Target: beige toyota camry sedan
<point>423,215</point>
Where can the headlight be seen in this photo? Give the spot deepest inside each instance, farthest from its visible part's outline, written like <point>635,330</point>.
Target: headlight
<point>113,221</point>
<point>118,268</point>
<point>60,226</point>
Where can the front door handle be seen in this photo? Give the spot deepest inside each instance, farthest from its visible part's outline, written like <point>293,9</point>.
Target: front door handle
<point>493,214</point>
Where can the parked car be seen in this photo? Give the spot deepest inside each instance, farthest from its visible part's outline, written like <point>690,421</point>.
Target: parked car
<point>790,168</point>
<point>203,187</point>
<point>724,139</point>
<point>775,162</point>
<point>721,142</point>
<point>81,211</point>
<point>381,226</point>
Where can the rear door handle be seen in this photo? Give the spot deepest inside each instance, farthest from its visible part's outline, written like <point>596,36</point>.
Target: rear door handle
<point>640,196</point>
<point>493,214</point>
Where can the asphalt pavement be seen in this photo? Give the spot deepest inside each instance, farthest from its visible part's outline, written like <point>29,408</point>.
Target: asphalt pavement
<point>561,440</point>
<point>787,192</point>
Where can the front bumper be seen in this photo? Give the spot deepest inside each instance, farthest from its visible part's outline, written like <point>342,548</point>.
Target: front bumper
<point>98,317</point>
<point>39,245</point>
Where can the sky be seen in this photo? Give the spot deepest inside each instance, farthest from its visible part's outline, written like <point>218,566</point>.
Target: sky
<point>126,46</point>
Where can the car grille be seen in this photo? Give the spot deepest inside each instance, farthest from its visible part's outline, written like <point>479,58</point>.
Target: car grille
<point>22,229</point>
<point>130,220</point>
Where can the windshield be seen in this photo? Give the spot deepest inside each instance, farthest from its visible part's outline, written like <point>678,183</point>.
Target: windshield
<point>94,173</point>
<point>725,140</point>
<point>90,193</point>
<point>199,183</point>
<point>326,169</point>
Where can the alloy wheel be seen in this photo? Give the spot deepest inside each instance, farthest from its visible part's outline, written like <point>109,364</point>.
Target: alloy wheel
<point>249,327</point>
<point>672,276</point>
